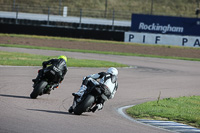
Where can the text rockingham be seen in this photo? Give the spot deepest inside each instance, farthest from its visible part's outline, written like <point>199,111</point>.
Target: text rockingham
<point>158,27</point>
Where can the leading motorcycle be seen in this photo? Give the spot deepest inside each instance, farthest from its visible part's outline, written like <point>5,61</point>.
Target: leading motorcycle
<point>90,99</point>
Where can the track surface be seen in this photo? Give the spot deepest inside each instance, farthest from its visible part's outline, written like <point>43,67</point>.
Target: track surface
<point>144,82</point>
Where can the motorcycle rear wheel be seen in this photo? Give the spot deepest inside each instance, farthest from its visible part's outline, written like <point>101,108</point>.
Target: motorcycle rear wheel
<point>84,105</point>
<point>38,89</point>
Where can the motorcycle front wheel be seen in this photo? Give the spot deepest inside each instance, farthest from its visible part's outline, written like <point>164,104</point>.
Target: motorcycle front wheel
<point>38,89</point>
<point>84,105</point>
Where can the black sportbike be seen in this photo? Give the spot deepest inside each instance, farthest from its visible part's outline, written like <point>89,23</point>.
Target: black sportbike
<point>45,84</point>
<point>92,96</point>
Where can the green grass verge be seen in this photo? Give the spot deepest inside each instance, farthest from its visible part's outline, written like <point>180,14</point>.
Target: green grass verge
<point>97,52</point>
<point>183,109</point>
<point>23,59</point>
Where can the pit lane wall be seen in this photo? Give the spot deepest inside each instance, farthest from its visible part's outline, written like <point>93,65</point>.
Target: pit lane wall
<point>164,30</point>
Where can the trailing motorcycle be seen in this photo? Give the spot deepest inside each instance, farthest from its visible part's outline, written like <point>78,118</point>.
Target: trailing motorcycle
<point>45,84</point>
<point>90,99</point>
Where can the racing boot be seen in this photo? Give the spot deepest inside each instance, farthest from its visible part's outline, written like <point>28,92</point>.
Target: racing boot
<point>78,95</point>
<point>71,110</point>
<point>97,107</point>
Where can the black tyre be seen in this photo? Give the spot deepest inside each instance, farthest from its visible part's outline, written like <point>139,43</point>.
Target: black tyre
<point>38,89</point>
<point>84,105</point>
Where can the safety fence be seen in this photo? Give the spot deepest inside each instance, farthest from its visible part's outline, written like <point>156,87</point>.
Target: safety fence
<point>109,9</point>
<point>112,10</point>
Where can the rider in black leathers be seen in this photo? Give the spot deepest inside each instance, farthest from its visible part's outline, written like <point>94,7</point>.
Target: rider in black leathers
<point>55,72</point>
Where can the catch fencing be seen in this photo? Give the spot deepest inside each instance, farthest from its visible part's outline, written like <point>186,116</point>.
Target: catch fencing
<point>109,9</point>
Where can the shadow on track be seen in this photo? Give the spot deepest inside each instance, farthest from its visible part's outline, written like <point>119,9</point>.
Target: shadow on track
<point>50,111</point>
<point>57,112</point>
<point>14,96</point>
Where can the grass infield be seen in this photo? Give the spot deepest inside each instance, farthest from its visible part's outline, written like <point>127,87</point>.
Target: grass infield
<point>183,109</point>
<point>24,59</point>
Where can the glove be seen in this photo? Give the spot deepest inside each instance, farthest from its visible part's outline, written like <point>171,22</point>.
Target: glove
<point>44,64</point>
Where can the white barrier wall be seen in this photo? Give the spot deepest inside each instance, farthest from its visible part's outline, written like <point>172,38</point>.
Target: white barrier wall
<point>149,38</point>
<point>65,11</point>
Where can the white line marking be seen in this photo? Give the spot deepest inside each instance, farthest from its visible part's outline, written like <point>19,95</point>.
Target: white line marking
<point>121,112</point>
<point>164,125</point>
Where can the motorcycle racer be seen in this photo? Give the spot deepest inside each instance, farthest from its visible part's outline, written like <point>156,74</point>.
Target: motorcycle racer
<point>56,71</point>
<point>107,79</point>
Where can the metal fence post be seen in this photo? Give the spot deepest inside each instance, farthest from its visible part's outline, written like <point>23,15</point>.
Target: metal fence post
<point>13,9</point>
<point>16,20</point>
<point>197,9</point>
<point>80,18</point>
<point>48,15</point>
<point>151,7</point>
<point>106,6</point>
<point>113,19</point>
<point>60,4</point>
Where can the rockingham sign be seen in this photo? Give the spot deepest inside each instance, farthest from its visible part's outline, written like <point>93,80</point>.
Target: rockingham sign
<point>151,29</point>
<point>161,28</point>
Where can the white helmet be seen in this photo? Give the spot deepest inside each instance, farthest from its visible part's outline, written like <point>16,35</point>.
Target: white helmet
<point>112,71</point>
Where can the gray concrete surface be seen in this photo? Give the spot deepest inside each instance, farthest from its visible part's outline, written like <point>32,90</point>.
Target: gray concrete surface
<point>48,113</point>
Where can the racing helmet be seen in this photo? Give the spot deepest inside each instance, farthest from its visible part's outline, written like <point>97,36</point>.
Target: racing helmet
<point>113,71</point>
<point>63,57</point>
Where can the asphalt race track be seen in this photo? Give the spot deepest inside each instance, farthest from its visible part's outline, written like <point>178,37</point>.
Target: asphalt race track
<point>48,114</point>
